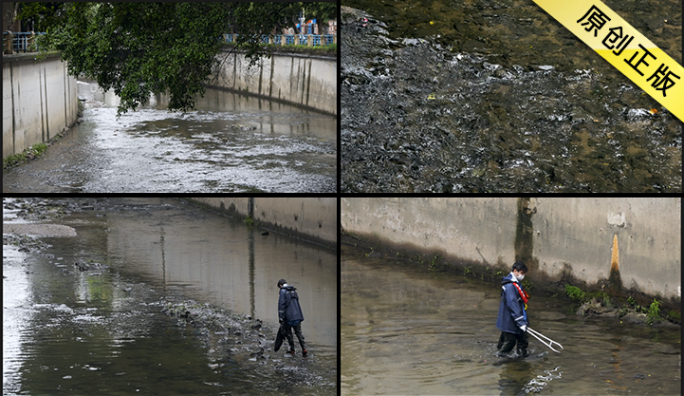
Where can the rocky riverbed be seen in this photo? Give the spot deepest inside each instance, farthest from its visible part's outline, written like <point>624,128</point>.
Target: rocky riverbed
<point>445,104</point>
<point>120,330</point>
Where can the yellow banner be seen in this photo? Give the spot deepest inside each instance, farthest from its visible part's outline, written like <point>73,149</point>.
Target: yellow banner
<point>624,47</point>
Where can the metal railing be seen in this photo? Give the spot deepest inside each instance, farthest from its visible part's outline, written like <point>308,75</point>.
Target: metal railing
<point>290,39</point>
<point>21,41</point>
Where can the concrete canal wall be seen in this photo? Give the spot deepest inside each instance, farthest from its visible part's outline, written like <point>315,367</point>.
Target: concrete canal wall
<point>39,99</point>
<point>555,237</point>
<point>303,80</point>
<point>309,218</point>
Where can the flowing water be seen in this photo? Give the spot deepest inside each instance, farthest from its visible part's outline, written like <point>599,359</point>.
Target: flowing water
<point>102,331</point>
<point>496,96</point>
<point>410,331</point>
<point>231,143</point>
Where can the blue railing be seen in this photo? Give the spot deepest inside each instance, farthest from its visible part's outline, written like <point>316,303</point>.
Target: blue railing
<point>22,41</point>
<point>317,39</point>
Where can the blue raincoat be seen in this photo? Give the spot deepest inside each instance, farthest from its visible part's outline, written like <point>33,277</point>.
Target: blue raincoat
<point>288,306</point>
<point>512,312</point>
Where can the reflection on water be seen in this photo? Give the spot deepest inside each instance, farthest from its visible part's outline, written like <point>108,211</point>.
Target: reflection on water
<point>406,331</point>
<point>223,262</point>
<point>101,331</point>
<point>269,116</point>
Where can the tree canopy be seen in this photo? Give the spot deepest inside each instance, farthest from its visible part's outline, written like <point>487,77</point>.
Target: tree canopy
<point>138,49</point>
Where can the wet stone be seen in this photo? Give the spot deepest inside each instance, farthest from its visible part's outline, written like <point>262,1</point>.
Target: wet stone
<point>110,322</point>
<point>540,115</point>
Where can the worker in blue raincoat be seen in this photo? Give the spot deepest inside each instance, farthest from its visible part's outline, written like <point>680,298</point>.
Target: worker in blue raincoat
<point>512,320</point>
<point>290,315</point>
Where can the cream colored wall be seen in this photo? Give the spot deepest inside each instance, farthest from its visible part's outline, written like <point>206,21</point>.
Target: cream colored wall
<point>315,217</point>
<point>566,233</point>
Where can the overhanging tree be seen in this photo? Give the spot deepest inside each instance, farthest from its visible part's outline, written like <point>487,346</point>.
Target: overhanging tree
<point>138,49</point>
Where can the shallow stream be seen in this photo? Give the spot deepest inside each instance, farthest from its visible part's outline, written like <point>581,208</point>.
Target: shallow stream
<point>231,143</point>
<point>406,330</point>
<point>102,330</point>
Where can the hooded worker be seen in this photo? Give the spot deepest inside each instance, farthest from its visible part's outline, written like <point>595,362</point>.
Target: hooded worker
<point>290,315</point>
<point>512,320</point>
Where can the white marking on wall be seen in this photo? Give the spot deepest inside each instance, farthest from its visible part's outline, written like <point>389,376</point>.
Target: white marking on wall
<point>616,219</point>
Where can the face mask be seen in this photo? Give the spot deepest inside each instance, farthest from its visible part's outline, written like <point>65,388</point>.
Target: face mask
<point>519,277</point>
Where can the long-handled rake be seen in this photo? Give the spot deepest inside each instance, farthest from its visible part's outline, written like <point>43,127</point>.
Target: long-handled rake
<point>548,343</point>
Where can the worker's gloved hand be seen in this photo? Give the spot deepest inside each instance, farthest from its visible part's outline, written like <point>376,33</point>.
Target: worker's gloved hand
<point>521,323</point>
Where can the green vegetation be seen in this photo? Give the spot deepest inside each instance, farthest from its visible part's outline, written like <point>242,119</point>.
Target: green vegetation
<point>330,48</point>
<point>674,316</point>
<point>433,262</point>
<point>138,49</point>
<point>653,312</point>
<point>249,221</point>
<point>527,284</point>
<point>607,302</point>
<point>30,153</point>
<point>597,294</point>
<point>575,293</point>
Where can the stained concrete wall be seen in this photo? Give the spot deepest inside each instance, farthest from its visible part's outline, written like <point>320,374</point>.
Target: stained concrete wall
<point>304,80</point>
<point>311,218</point>
<point>551,235</point>
<point>39,99</point>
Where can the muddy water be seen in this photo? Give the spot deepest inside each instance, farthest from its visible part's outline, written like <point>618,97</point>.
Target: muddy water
<point>102,331</point>
<point>232,143</point>
<point>407,331</point>
<point>483,96</point>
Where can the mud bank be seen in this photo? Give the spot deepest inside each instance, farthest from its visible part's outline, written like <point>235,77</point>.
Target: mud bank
<point>470,114</point>
<point>244,339</point>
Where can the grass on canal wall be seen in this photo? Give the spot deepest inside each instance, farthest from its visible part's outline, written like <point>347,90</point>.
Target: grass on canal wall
<point>37,149</point>
<point>329,50</point>
<point>30,153</point>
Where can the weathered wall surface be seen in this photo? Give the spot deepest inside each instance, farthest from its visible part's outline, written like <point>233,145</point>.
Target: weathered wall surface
<point>39,99</point>
<point>551,235</point>
<point>312,217</point>
<point>304,80</point>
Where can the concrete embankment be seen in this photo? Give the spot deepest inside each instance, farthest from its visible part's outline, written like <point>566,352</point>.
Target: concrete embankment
<point>39,99</point>
<point>305,80</point>
<point>634,242</point>
<point>313,219</point>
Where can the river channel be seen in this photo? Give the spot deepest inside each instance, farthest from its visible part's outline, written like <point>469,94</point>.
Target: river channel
<point>103,330</point>
<point>481,96</point>
<point>406,330</point>
<point>231,143</point>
